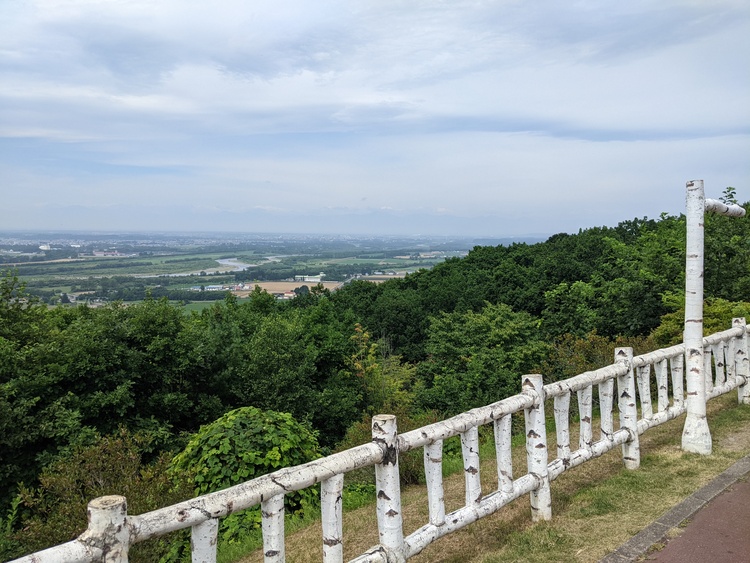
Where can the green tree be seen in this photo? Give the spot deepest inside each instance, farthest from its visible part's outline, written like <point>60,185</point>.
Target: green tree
<point>478,358</point>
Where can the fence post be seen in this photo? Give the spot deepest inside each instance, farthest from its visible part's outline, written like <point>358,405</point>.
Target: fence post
<point>628,407</point>
<point>390,519</point>
<point>272,526</point>
<point>203,541</point>
<point>536,448</point>
<point>742,362</point>
<point>332,518</point>
<point>108,529</point>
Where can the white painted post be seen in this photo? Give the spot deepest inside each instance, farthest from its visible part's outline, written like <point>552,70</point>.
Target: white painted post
<point>644,390</point>
<point>696,437</point>
<point>742,362</point>
<point>562,427</point>
<point>108,528</point>
<point>470,453</point>
<point>631,450</point>
<point>585,413</point>
<point>662,385</point>
<point>433,472</point>
<point>606,401</point>
<point>536,448</point>
<point>719,352</point>
<point>272,525</point>
<point>677,369</point>
<point>390,519</point>
<point>503,443</point>
<point>203,538</point>
<point>332,518</point>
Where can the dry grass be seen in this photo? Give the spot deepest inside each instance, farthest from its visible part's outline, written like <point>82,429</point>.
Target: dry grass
<point>596,506</point>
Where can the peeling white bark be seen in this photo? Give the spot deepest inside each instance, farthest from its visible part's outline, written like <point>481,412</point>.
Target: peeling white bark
<point>606,401</point>
<point>433,471</point>
<point>503,442</point>
<point>643,378</point>
<point>203,539</point>
<point>742,362</point>
<point>470,453</point>
<point>696,437</point>
<point>387,485</point>
<point>536,447</point>
<point>586,433</point>
<point>631,452</point>
<point>272,525</point>
<point>332,519</point>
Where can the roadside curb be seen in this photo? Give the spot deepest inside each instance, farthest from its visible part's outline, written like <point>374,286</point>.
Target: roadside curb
<point>639,544</point>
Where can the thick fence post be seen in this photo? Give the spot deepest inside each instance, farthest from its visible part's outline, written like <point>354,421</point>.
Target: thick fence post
<point>390,519</point>
<point>331,516</point>
<point>628,407</point>
<point>203,541</point>
<point>742,362</point>
<point>272,525</point>
<point>536,448</point>
<point>696,437</point>
<point>470,454</point>
<point>108,529</point>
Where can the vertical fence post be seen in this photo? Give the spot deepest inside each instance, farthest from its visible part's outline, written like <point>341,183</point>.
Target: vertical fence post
<point>536,448</point>
<point>696,437</point>
<point>631,450</point>
<point>272,525</point>
<point>390,519</point>
<point>470,454</point>
<point>433,473</point>
<point>203,541</point>
<point>742,362</point>
<point>503,453</point>
<point>108,527</point>
<point>331,516</point>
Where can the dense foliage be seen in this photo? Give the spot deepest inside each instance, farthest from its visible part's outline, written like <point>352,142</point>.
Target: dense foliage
<point>435,343</point>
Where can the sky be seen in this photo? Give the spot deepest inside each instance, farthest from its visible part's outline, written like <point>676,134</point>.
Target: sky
<point>477,118</point>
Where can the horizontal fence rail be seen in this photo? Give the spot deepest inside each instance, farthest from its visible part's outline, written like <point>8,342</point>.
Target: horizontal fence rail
<point>640,392</point>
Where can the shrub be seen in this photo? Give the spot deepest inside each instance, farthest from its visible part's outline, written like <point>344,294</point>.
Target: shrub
<point>243,444</point>
<point>55,512</point>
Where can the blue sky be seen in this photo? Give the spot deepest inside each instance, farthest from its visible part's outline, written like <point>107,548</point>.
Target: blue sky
<point>502,118</point>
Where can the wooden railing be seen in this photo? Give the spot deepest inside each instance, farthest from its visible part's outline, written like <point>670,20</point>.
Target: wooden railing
<point>626,383</point>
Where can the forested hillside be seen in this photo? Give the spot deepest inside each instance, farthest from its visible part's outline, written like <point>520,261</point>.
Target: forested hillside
<point>86,393</point>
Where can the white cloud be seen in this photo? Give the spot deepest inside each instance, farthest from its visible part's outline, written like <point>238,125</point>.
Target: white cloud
<point>468,108</point>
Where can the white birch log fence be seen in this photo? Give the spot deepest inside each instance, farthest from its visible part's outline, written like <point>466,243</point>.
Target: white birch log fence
<point>725,360</point>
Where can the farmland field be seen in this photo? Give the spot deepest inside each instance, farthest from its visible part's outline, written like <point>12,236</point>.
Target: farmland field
<point>101,267</point>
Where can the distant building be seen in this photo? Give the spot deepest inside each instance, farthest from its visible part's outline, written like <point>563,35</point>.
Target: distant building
<point>310,279</point>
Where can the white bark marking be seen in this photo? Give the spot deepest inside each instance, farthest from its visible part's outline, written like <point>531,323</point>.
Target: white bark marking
<point>606,402</point>
<point>536,448</point>
<point>272,525</point>
<point>332,519</point>
<point>203,538</point>
<point>433,471</point>
<point>631,453</point>
<point>470,453</point>
<point>742,363</point>
<point>503,442</point>
<point>387,485</point>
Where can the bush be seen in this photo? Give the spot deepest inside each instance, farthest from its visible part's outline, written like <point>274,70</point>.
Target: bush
<point>243,444</point>
<point>55,512</point>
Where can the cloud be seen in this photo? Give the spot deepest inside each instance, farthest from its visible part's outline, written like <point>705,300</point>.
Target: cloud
<point>395,107</point>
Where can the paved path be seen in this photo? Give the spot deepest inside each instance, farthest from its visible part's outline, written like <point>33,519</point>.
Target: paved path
<point>717,530</point>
